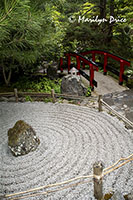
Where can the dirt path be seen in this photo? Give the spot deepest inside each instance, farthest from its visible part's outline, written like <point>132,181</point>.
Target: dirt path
<point>122,102</point>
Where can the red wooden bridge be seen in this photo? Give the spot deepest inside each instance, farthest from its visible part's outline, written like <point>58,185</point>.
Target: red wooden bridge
<point>82,57</point>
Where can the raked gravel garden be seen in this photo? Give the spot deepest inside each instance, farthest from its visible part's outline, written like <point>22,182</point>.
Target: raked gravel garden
<point>72,139</point>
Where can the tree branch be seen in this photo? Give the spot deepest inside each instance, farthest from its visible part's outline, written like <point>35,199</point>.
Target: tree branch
<point>7,80</point>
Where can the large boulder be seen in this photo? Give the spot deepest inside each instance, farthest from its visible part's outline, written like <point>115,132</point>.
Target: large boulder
<point>72,84</point>
<point>22,139</point>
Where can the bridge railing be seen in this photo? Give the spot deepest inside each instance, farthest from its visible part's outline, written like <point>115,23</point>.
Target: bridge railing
<point>94,66</point>
<point>123,62</point>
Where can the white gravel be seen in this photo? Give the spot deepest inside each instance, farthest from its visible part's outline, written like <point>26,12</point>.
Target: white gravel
<point>72,139</point>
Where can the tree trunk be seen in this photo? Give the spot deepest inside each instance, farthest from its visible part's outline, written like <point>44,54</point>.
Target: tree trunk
<point>110,31</point>
<point>112,7</point>
<point>7,78</point>
<point>103,9</point>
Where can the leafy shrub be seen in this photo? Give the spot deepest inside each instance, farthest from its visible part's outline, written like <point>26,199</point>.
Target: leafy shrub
<point>28,98</point>
<point>41,85</point>
<point>46,100</point>
<point>88,91</point>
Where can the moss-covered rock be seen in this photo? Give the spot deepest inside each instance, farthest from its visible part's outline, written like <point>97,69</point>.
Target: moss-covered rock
<point>22,139</point>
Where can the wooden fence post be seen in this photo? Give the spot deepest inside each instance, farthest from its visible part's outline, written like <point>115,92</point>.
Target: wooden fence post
<point>53,95</point>
<point>98,186</point>
<point>99,103</point>
<point>16,94</point>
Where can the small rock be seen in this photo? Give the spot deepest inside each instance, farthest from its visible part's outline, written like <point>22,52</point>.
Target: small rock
<point>125,106</point>
<point>22,139</point>
<point>21,99</point>
<point>120,97</point>
<point>65,101</point>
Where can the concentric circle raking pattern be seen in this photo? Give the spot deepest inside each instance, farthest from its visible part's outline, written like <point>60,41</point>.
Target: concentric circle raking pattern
<point>72,139</point>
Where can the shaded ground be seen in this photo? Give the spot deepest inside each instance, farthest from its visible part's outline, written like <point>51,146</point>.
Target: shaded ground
<point>120,98</point>
<point>122,102</point>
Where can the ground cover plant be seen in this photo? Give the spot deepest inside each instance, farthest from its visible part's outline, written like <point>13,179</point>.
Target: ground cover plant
<point>41,85</point>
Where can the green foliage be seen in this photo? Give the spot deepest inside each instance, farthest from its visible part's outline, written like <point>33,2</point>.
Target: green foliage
<point>110,37</point>
<point>60,100</point>
<point>28,32</point>
<point>88,91</point>
<point>20,35</point>
<point>129,72</point>
<point>130,82</point>
<point>28,98</point>
<point>33,31</point>
<point>42,85</point>
<point>46,100</point>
